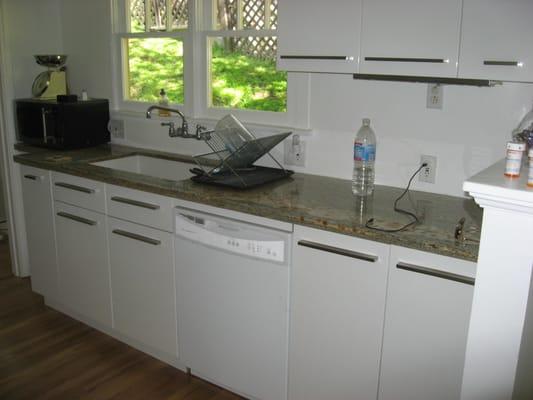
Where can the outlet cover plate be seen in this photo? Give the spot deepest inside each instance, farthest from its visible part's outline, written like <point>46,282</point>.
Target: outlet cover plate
<point>116,128</point>
<point>435,96</point>
<point>292,157</point>
<point>428,173</point>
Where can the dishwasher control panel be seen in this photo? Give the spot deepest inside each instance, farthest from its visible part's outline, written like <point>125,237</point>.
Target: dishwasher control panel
<point>228,237</point>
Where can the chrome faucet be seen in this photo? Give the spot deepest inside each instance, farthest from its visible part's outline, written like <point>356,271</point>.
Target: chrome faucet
<point>183,131</point>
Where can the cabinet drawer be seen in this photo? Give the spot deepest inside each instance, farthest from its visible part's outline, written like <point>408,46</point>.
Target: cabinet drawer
<point>140,207</point>
<point>78,191</point>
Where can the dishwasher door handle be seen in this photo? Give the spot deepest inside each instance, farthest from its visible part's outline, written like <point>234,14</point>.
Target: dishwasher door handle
<point>339,251</point>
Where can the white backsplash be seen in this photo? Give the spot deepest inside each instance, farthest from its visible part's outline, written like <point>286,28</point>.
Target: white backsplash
<point>466,136</point>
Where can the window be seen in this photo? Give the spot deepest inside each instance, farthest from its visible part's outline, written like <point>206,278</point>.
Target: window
<point>153,48</point>
<point>211,57</point>
<point>242,63</point>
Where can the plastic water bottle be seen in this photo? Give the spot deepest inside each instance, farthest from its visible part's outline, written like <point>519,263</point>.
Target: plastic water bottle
<point>364,155</point>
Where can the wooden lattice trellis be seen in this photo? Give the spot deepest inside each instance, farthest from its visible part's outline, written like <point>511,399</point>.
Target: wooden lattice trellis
<point>159,18</point>
<point>250,14</point>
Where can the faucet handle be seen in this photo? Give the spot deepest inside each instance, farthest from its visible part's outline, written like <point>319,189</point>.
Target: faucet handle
<point>171,128</point>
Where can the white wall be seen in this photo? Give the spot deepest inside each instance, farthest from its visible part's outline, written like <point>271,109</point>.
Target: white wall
<point>32,27</point>
<point>466,136</point>
<point>87,42</point>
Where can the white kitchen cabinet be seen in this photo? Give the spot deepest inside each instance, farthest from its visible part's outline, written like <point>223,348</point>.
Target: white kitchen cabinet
<point>83,263</point>
<point>142,282</point>
<point>410,37</point>
<point>496,40</point>
<point>81,192</point>
<point>140,207</point>
<point>318,36</point>
<point>40,235</point>
<point>426,324</point>
<point>338,287</point>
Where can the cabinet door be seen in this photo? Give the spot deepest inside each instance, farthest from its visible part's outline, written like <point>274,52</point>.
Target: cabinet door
<point>410,37</point>
<point>338,288</point>
<point>497,40</point>
<point>142,282</point>
<point>319,36</point>
<point>40,234</point>
<point>426,325</point>
<point>83,262</point>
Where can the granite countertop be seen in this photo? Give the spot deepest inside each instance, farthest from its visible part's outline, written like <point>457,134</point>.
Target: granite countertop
<point>310,200</point>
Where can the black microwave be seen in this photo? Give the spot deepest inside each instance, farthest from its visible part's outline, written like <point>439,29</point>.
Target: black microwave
<point>62,125</point>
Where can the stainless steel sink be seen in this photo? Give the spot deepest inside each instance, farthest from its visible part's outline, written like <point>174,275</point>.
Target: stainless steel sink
<point>151,166</point>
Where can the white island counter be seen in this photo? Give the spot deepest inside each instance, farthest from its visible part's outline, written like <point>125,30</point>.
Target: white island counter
<point>499,355</point>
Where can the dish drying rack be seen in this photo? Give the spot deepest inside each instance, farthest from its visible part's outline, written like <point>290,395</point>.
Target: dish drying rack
<point>234,150</point>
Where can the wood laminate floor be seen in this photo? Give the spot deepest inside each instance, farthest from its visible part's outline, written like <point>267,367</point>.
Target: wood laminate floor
<point>47,355</point>
<point>5,261</point>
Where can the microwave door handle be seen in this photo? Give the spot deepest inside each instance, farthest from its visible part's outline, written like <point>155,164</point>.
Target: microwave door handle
<point>43,115</point>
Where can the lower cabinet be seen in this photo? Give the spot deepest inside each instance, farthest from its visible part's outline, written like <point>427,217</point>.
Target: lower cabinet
<point>367,320</point>
<point>40,235</point>
<point>142,281</point>
<point>426,324</point>
<point>83,266</point>
<point>338,288</point>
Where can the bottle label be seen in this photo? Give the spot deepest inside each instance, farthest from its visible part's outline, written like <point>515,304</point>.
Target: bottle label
<point>364,153</point>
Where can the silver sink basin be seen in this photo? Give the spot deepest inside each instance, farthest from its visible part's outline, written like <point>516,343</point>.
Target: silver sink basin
<point>151,166</point>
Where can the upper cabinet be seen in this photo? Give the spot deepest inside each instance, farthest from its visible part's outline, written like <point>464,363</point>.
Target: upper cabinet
<point>410,37</point>
<point>497,40</point>
<point>319,36</point>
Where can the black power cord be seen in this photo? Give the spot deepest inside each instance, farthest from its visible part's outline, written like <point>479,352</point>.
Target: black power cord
<point>399,210</point>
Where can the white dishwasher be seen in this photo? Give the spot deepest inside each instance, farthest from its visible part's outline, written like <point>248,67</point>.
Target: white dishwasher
<point>232,289</point>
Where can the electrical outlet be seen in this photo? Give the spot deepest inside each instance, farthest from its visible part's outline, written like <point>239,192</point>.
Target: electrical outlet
<point>295,151</point>
<point>116,128</point>
<point>428,173</point>
<point>435,96</point>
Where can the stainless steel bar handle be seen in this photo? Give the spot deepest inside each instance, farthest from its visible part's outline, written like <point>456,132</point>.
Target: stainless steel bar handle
<point>294,57</point>
<point>503,63</point>
<point>338,251</point>
<point>136,203</point>
<point>135,236</point>
<point>33,177</point>
<point>75,187</point>
<point>43,116</point>
<point>77,218</point>
<point>438,274</point>
<point>409,59</point>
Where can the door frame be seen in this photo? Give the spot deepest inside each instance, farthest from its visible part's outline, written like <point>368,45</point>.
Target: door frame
<point>10,171</point>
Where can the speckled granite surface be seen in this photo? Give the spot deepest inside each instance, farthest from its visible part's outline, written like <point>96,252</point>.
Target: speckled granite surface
<point>309,200</point>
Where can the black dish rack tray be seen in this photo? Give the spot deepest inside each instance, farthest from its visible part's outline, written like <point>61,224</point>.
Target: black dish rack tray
<point>235,149</point>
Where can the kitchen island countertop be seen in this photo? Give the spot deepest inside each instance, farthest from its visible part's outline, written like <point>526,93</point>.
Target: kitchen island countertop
<point>315,201</point>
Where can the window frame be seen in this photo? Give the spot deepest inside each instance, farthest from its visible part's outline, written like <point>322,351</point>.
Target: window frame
<point>196,54</point>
